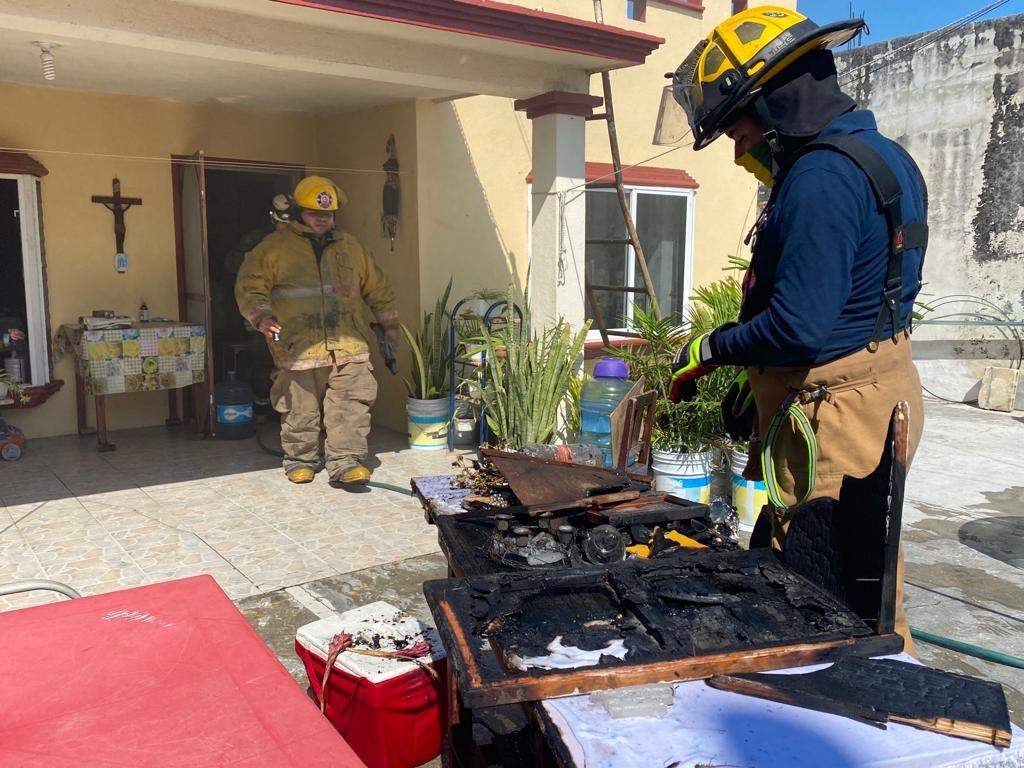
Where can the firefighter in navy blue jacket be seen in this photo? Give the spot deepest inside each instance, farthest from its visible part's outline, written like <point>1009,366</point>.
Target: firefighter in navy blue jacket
<point>825,319</point>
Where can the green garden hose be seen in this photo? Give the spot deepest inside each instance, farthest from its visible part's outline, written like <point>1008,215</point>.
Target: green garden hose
<point>383,486</point>
<point>968,648</point>
<point>390,487</point>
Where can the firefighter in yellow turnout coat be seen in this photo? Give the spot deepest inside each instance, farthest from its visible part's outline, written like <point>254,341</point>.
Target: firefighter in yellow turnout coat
<point>304,288</point>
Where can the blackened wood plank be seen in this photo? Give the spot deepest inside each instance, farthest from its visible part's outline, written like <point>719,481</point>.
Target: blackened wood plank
<point>889,689</point>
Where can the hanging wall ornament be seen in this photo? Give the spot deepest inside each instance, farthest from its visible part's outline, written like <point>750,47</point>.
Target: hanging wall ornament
<point>389,216</point>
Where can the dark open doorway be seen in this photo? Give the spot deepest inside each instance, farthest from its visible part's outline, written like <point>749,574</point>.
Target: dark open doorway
<point>235,198</point>
<point>238,217</point>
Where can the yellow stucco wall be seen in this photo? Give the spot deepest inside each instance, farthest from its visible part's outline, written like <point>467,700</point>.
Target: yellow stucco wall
<point>474,159</point>
<point>725,205</point>
<point>482,147</point>
<point>84,140</point>
<point>351,150</point>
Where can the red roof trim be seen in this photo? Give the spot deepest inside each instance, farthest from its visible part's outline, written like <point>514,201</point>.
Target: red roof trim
<point>690,5</point>
<point>501,21</point>
<point>601,175</point>
<point>19,164</point>
<point>558,103</point>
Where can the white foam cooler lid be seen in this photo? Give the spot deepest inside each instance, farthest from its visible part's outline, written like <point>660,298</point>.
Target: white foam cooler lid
<point>378,626</point>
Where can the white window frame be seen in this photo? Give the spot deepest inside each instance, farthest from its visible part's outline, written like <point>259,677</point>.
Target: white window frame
<point>32,266</point>
<point>632,194</point>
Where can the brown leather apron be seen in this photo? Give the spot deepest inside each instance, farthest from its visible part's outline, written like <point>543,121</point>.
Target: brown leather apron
<point>850,417</point>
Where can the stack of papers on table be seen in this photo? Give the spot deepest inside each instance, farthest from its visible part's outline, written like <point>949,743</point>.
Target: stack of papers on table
<point>102,323</point>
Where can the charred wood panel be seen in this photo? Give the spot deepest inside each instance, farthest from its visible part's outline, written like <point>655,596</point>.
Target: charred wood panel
<point>680,619</point>
<point>880,690</point>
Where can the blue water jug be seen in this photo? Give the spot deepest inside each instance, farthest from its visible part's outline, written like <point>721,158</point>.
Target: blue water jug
<point>600,396</point>
<point>233,401</point>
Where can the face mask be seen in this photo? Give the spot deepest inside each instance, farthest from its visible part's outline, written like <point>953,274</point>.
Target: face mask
<point>759,162</point>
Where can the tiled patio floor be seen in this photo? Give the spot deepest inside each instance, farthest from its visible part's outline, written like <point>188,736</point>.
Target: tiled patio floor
<point>164,506</point>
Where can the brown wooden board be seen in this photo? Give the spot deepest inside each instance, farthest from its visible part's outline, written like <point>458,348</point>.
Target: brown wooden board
<point>682,619</point>
<point>658,508</point>
<point>880,690</point>
<point>545,482</point>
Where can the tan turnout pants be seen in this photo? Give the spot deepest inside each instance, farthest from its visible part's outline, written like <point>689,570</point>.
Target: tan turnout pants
<point>850,426</point>
<point>334,398</point>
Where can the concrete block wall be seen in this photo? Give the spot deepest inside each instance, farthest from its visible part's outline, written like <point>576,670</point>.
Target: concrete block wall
<point>955,101</point>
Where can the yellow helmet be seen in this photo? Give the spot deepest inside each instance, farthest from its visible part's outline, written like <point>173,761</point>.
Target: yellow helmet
<point>726,71</point>
<point>315,193</point>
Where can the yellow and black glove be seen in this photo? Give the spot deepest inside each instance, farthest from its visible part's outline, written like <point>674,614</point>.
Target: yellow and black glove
<point>692,361</point>
<point>739,413</point>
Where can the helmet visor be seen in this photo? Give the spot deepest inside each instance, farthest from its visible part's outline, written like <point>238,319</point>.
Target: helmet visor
<point>673,125</point>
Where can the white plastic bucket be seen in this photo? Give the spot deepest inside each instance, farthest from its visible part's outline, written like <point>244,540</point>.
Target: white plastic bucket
<point>428,423</point>
<point>687,475</point>
<point>748,496</point>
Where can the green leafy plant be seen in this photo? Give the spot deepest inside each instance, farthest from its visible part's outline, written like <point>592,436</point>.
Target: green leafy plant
<point>11,389</point>
<point>431,352</point>
<point>694,426</point>
<point>573,392</point>
<point>526,378</point>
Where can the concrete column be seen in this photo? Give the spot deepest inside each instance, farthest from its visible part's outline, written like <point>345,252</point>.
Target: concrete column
<point>558,203</point>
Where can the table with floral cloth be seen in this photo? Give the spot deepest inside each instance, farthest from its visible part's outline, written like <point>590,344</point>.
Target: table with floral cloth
<point>141,358</point>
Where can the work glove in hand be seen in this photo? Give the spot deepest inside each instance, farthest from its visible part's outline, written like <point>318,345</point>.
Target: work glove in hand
<point>692,361</point>
<point>739,414</point>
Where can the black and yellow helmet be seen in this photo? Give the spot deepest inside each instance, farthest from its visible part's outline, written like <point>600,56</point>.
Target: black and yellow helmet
<point>725,71</point>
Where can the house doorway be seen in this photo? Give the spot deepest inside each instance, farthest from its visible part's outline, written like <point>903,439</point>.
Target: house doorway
<point>237,218</point>
<point>235,199</point>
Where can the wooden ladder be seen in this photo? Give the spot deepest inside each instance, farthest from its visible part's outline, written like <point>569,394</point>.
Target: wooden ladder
<point>633,238</point>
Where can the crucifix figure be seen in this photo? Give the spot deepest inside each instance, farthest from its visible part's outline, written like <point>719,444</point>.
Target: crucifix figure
<point>117,205</point>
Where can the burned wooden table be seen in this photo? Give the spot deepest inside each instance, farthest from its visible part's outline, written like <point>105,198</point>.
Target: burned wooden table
<point>511,636</point>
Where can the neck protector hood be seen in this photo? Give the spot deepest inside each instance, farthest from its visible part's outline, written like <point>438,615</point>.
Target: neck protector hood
<point>801,100</point>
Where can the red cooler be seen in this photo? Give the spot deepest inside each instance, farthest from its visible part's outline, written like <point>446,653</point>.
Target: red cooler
<point>390,712</point>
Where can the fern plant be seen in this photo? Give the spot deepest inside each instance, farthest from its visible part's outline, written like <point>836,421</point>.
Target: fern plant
<point>431,352</point>
<point>694,426</point>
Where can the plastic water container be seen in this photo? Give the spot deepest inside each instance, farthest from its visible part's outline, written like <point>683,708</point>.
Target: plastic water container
<point>600,396</point>
<point>233,400</point>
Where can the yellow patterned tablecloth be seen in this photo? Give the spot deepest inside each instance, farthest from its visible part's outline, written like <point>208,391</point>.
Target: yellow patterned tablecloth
<point>143,358</point>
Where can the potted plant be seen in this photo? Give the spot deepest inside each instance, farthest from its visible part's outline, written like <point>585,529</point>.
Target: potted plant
<point>427,404</point>
<point>525,377</point>
<point>467,321</point>
<point>686,437</point>
<point>10,390</point>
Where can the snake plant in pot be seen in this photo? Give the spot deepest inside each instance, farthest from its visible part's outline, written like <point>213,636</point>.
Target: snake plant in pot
<point>525,378</point>
<point>427,404</point>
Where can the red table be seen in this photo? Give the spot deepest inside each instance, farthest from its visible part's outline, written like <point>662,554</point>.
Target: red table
<point>157,676</point>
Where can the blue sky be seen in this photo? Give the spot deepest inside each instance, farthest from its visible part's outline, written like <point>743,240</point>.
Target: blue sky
<point>892,18</point>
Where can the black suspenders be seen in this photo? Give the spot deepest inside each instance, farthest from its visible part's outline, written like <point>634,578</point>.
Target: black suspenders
<point>901,236</point>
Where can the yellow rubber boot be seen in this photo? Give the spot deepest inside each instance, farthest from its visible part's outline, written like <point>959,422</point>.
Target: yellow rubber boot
<point>300,474</point>
<point>357,475</point>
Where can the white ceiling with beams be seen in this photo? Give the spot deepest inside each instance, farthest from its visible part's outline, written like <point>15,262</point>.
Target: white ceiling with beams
<point>271,56</point>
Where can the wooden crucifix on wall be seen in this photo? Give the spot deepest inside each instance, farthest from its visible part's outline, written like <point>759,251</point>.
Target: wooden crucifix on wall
<point>117,205</point>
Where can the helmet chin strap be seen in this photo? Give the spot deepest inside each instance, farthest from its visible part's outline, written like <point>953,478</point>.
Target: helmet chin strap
<point>766,121</point>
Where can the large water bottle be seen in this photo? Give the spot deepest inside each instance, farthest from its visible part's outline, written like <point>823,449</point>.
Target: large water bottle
<point>233,400</point>
<point>600,395</point>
